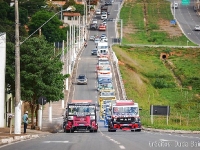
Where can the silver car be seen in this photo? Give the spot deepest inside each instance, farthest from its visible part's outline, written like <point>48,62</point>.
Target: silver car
<point>197,28</point>
<point>82,79</point>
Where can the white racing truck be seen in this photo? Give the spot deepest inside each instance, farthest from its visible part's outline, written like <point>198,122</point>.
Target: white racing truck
<point>124,116</point>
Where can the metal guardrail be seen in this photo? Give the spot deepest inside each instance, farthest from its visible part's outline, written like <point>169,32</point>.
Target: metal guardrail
<point>119,77</point>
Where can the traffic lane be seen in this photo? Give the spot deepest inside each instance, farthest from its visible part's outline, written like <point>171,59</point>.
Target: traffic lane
<point>86,65</point>
<point>63,141</point>
<point>154,140</point>
<point>187,19</point>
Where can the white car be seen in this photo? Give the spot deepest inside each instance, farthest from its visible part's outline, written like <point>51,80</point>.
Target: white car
<point>94,21</point>
<point>97,40</point>
<point>104,22</point>
<point>98,12</point>
<point>92,38</point>
<point>103,17</point>
<point>175,5</point>
<point>104,38</point>
<point>197,28</point>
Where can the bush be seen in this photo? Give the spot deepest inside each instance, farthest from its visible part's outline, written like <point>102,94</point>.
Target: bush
<point>160,83</point>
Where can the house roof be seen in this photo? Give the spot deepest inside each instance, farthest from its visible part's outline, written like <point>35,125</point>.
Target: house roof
<point>71,14</point>
<point>59,2</point>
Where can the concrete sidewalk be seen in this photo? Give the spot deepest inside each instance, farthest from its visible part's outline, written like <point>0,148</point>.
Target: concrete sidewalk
<point>6,137</point>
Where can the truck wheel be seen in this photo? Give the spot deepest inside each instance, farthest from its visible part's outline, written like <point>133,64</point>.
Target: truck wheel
<point>67,131</point>
<point>138,130</point>
<point>71,131</point>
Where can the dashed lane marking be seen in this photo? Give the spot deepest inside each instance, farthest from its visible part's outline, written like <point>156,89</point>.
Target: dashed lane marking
<point>122,147</point>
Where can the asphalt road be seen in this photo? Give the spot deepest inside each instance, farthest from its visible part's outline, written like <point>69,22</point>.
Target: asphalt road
<point>104,140</point>
<point>187,19</point>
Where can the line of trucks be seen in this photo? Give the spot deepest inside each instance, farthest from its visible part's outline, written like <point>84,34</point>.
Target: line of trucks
<point>81,115</point>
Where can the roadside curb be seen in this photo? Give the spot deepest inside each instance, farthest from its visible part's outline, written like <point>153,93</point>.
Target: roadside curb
<point>171,131</point>
<point>17,138</point>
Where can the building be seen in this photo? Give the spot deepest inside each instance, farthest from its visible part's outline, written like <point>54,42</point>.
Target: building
<point>2,78</point>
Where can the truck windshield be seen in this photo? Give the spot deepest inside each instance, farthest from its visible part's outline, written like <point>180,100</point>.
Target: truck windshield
<point>125,110</point>
<point>81,110</point>
<point>103,47</point>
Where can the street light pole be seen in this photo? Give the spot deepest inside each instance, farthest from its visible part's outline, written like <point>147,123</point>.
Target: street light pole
<point>17,129</point>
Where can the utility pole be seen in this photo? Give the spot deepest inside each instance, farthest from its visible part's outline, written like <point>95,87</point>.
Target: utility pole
<point>17,129</point>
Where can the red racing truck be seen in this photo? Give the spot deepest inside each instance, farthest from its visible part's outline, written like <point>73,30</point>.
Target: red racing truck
<point>80,116</point>
<point>124,116</point>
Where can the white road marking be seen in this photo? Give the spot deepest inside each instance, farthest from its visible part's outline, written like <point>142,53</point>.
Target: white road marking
<point>167,140</point>
<point>56,142</point>
<point>122,147</point>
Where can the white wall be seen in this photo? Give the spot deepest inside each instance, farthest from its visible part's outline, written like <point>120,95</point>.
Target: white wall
<point>2,77</point>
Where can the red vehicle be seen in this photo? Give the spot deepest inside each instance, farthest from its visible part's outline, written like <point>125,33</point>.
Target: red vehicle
<point>80,116</point>
<point>124,116</point>
<point>102,27</point>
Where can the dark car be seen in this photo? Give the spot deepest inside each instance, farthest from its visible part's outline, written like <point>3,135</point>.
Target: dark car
<point>93,26</point>
<point>82,79</point>
<point>94,52</point>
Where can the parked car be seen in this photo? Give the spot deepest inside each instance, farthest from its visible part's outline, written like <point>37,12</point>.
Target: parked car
<point>94,52</point>
<point>197,28</point>
<point>82,79</point>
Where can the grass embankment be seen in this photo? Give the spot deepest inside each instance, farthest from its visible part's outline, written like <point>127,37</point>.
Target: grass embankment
<point>174,82</point>
<point>148,22</point>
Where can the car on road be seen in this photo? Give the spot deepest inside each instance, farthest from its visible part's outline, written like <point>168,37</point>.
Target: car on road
<point>197,28</point>
<point>92,38</point>
<point>104,16</point>
<point>94,52</point>
<point>82,79</point>
<point>97,40</point>
<point>94,21</point>
<point>103,35</point>
<point>104,38</point>
<point>104,22</point>
<point>175,5</point>
<point>93,26</point>
<point>98,12</point>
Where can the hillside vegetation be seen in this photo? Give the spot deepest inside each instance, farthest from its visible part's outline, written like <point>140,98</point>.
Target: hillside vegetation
<point>160,76</point>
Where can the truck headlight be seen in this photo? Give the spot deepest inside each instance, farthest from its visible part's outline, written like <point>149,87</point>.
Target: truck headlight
<point>70,117</point>
<point>92,117</point>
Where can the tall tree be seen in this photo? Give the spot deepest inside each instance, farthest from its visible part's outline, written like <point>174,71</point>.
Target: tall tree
<point>40,72</point>
<point>32,6</point>
<point>51,30</point>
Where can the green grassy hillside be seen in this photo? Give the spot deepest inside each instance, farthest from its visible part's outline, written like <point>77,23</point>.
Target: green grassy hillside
<point>174,81</point>
<point>150,79</point>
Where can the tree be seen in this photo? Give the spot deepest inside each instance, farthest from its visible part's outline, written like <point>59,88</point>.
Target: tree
<point>32,6</point>
<point>40,72</point>
<point>79,7</point>
<point>51,30</point>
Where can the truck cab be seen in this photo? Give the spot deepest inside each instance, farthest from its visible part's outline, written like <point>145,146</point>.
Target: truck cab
<point>80,116</point>
<point>124,116</point>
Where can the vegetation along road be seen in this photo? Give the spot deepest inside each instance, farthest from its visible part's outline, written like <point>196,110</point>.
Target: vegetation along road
<point>159,75</point>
